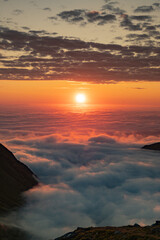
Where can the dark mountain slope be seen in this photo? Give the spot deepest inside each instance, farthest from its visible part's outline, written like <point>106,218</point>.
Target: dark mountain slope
<point>12,233</point>
<point>15,177</point>
<point>154,146</point>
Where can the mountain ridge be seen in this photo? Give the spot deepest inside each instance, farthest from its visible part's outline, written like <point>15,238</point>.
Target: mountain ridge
<point>153,146</point>
<point>15,178</point>
<point>130,232</point>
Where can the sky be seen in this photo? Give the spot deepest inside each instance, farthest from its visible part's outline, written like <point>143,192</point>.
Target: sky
<point>88,155</point>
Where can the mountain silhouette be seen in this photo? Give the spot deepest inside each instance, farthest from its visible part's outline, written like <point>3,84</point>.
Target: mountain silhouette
<point>15,178</point>
<point>154,146</point>
<point>130,232</point>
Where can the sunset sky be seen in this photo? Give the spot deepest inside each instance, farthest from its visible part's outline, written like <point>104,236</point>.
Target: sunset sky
<point>107,50</point>
<point>87,153</point>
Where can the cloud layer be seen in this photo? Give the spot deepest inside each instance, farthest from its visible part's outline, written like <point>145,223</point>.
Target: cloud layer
<point>96,184</point>
<point>72,124</point>
<point>101,179</point>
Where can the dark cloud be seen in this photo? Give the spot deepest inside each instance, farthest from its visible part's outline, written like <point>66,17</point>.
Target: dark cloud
<point>154,33</point>
<point>17,12</point>
<point>150,28</point>
<point>140,24</point>
<point>47,9</point>
<point>73,15</point>
<point>129,25</point>
<point>100,18</point>
<point>1,56</point>
<point>144,9</point>
<point>128,22</point>
<point>84,16</point>
<point>156,4</point>
<point>141,18</point>
<point>52,18</point>
<point>111,7</point>
<point>26,28</point>
<point>50,58</point>
<point>38,32</point>
<point>157,37</point>
<point>137,37</point>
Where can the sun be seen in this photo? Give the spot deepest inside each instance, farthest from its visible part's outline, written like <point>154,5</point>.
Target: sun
<point>80,98</point>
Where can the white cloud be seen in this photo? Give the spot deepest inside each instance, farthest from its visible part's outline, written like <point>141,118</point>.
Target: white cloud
<point>94,184</point>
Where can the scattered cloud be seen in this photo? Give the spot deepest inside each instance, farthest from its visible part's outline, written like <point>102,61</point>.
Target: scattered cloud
<point>150,28</point>
<point>43,56</point>
<point>157,37</point>
<point>144,9</point>
<point>52,18</point>
<point>17,12</point>
<point>58,58</point>
<point>1,56</point>
<point>128,24</point>
<point>73,15</point>
<point>141,18</point>
<point>111,7</point>
<point>112,13</point>
<point>102,18</point>
<point>47,9</point>
<point>137,37</point>
<point>83,16</point>
<point>26,28</point>
<point>38,32</point>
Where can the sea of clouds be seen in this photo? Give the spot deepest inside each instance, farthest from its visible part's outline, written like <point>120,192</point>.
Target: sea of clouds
<point>94,179</point>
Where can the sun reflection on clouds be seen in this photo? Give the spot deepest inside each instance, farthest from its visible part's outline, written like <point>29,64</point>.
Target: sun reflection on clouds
<point>44,189</point>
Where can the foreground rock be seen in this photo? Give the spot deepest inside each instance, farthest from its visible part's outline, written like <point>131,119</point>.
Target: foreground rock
<point>154,146</point>
<point>134,232</point>
<point>15,178</point>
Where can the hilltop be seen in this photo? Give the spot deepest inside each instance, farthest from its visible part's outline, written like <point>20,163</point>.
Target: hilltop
<point>130,232</point>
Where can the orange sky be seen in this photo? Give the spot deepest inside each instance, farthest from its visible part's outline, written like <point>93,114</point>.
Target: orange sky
<point>63,92</point>
<point>107,42</point>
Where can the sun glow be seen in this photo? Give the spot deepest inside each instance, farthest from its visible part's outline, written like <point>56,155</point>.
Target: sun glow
<point>80,98</point>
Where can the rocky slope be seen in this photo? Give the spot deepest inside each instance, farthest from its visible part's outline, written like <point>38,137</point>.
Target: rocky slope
<point>154,146</point>
<point>15,177</point>
<point>135,232</point>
